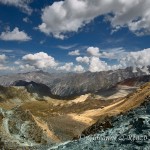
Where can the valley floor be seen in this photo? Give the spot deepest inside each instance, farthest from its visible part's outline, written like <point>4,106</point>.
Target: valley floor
<point>33,123</point>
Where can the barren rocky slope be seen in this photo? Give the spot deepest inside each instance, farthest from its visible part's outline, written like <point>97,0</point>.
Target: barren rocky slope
<point>31,116</point>
<point>115,131</point>
<point>42,124</point>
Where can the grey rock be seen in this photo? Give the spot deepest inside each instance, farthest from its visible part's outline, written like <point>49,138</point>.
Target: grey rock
<point>66,85</point>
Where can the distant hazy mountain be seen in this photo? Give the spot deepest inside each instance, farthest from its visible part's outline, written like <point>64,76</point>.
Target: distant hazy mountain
<point>73,84</point>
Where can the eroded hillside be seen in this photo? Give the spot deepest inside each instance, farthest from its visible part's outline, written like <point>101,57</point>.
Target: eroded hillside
<point>47,121</point>
<point>128,130</point>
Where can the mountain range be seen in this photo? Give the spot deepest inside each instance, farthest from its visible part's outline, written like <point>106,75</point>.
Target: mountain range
<point>68,85</point>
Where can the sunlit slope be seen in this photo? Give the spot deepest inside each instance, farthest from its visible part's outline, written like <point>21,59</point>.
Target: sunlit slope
<point>48,121</point>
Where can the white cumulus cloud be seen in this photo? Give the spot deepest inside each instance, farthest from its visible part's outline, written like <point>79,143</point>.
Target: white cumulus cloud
<point>66,67</point>
<point>26,67</point>
<point>74,53</point>
<point>97,65</point>
<point>14,35</point>
<point>71,15</point>
<point>84,59</point>
<point>40,60</point>
<point>136,59</point>
<point>94,51</point>
<point>22,4</point>
<point>79,69</point>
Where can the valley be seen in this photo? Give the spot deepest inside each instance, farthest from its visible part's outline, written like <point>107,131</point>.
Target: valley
<point>31,116</point>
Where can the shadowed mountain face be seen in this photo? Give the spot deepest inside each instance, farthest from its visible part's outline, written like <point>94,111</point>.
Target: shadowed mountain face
<point>136,81</point>
<point>34,88</point>
<point>72,84</point>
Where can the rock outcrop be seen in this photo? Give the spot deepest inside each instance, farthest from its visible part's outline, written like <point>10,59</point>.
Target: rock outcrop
<point>20,128</point>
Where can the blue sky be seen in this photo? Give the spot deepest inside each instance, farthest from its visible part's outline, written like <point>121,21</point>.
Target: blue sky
<point>73,35</point>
